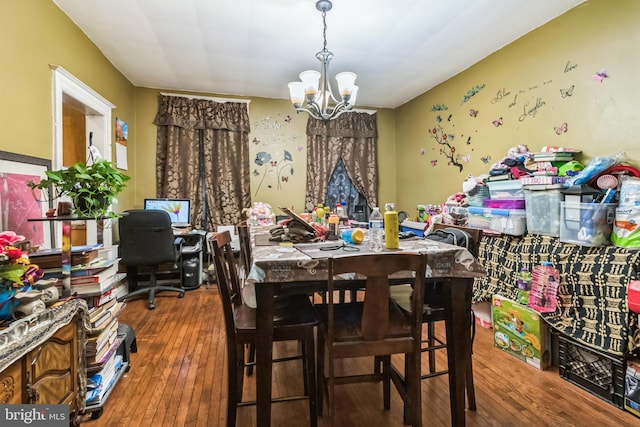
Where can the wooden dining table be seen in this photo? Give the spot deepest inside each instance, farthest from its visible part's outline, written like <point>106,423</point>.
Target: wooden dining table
<point>282,268</point>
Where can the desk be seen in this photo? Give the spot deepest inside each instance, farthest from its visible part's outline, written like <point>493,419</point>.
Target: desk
<point>278,269</point>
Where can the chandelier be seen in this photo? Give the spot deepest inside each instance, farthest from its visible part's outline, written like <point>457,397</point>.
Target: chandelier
<point>313,92</point>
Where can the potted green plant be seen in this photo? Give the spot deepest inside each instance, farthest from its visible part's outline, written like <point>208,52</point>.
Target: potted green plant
<point>91,188</point>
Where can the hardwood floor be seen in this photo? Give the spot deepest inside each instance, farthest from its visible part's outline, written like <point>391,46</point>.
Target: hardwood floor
<point>177,378</point>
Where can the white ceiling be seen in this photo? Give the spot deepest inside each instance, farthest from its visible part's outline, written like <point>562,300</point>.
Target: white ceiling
<point>399,48</point>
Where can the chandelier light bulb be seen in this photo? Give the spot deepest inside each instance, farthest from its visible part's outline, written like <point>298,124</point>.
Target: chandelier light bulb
<point>346,81</point>
<point>296,90</point>
<point>310,80</point>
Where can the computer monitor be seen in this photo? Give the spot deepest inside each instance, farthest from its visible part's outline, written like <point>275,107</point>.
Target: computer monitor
<point>179,209</point>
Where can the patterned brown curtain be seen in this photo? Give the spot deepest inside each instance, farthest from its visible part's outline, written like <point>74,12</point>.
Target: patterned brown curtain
<point>203,144</point>
<point>352,137</point>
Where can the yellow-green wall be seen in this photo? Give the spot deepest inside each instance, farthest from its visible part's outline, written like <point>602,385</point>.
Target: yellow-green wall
<point>35,34</point>
<point>601,118</point>
<point>558,58</point>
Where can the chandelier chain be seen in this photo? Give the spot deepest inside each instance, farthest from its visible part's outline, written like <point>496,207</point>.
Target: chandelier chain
<point>324,32</point>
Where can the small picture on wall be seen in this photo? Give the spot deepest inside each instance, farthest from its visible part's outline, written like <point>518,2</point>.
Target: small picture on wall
<point>122,133</point>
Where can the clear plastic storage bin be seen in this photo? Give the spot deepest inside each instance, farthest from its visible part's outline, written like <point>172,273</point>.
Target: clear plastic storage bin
<point>508,189</point>
<point>586,224</point>
<point>506,221</point>
<point>543,211</point>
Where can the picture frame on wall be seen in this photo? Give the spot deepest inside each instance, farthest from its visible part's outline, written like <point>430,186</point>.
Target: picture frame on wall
<point>18,203</point>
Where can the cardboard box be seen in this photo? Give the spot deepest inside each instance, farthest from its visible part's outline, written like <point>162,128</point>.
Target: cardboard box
<point>482,311</point>
<point>632,388</point>
<point>521,332</point>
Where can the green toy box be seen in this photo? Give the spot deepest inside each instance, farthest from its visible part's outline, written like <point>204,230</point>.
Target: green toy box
<point>521,332</point>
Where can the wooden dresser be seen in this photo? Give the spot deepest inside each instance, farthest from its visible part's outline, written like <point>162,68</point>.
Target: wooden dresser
<point>42,359</point>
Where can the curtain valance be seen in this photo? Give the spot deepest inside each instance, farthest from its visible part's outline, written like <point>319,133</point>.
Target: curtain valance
<point>190,114</point>
<point>348,125</point>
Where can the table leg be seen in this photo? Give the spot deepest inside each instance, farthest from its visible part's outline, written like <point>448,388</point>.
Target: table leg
<point>458,312</point>
<point>264,350</point>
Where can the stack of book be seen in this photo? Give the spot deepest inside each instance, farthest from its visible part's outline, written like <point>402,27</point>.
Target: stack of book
<point>557,156</point>
<point>100,383</point>
<point>96,278</point>
<point>98,343</point>
<point>103,332</point>
<point>52,258</point>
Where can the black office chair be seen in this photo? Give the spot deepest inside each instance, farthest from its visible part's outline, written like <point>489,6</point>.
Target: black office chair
<point>147,240</point>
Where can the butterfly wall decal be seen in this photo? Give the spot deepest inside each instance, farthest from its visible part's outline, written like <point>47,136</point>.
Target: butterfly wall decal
<point>438,118</point>
<point>561,129</point>
<point>287,119</point>
<point>299,147</point>
<point>273,163</point>
<point>434,162</point>
<point>422,151</point>
<point>255,172</point>
<point>467,158</point>
<point>497,122</point>
<point>473,113</point>
<point>567,92</point>
<point>600,76</point>
<point>256,141</point>
<point>486,159</point>
<point>284,178</point>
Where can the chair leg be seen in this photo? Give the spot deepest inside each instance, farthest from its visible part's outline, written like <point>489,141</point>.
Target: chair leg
<point>431,341</point>
<point>152,289</point>
<point>239,372</point>
<point>320,378</point>
<point>386,381</point>
<point>309,363</point>
<point>414,387</point>
<point>471,393</point>
<point>232,390</point>
<point>251,358</point>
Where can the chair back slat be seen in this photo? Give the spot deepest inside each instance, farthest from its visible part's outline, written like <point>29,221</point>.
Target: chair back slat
<point>377,269</point>
<point>227,277</point>
<point>245,246</point>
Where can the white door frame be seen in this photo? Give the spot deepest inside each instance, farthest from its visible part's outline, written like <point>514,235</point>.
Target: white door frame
<point>98,120</point>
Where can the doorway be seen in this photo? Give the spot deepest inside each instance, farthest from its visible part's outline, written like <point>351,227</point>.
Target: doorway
<point>81,117</point>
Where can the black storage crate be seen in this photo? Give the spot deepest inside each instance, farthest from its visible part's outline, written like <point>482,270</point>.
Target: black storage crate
<point>600,374</point>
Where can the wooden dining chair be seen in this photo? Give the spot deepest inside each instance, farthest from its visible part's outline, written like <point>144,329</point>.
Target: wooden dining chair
<point>433,312</point>
<point>373,327</point>
<point>294,320</point>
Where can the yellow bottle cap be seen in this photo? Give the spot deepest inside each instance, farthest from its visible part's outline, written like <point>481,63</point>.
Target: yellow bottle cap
<point>357,236</point>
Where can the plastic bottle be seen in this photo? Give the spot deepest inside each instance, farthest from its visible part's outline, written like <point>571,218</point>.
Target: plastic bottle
<point>333,223</point>
<point>524,285</point>
<point>544,288</point>
<point>319,213</point>
<point>376,230</point>
<point>339,210</point>
<point>391,228</point>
